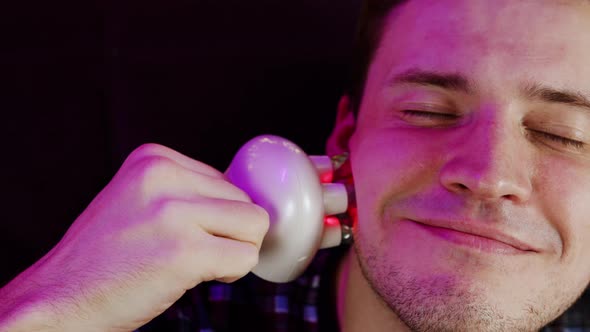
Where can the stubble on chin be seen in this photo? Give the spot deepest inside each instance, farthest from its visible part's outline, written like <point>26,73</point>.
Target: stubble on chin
<point>442,302</point>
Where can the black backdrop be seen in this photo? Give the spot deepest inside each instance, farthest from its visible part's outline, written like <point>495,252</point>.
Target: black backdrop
<point>82,83</point>
<point>85,82</point>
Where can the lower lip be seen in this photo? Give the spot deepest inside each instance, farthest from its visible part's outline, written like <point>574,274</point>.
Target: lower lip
<point>478,243</point>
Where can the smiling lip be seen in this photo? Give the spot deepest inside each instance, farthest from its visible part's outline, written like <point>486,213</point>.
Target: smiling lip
<point>476,237</point>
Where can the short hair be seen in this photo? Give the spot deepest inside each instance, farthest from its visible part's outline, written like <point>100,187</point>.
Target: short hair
<point>368,36</point>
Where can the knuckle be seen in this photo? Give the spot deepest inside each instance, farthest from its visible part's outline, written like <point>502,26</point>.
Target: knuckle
<point>145,150</point>
<point>183,244</point>
<point>166,210</point>
<point>153,168</point>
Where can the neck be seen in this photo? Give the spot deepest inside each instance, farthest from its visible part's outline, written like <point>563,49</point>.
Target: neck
<point>359,308</point>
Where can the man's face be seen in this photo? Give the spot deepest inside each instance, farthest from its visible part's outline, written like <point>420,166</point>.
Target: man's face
<point>471,159</point>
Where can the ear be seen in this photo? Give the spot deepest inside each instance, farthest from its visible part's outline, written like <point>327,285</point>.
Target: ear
<point>337,144</point>
<point>343,128</point>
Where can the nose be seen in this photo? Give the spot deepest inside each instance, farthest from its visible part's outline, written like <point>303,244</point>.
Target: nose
<point>489,162</point>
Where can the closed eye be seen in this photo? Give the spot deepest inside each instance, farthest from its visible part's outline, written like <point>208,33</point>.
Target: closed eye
<point>568,142</point>
<point>432,115</point>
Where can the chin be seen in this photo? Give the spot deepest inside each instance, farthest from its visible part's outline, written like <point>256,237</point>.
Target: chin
<point>448,301</point>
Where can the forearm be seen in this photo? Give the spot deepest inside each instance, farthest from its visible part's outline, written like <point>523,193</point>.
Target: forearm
<point>24,307</point>
<point>37,301</point>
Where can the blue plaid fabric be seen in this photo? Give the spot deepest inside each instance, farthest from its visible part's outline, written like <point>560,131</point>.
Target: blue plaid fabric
<point>306,304</point>
<point>252,304</point>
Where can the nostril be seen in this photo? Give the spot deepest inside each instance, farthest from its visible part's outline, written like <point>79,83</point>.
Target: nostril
<point>461,187</point>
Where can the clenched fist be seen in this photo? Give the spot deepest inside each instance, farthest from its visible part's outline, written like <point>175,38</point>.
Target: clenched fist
<point>164,224</point>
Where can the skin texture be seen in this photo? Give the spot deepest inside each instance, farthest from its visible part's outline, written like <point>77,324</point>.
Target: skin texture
<point>489,161</point>
<point>164,224</point>
<point>492,161</point>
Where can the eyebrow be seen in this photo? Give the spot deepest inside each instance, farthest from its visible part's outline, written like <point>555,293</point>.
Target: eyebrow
<point>459,82</point>
<point>550,95</point>
<point>448,81</point>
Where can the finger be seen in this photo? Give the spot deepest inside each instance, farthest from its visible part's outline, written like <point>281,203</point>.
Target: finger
<point>227,259</point>
<point>235,220</point>
<point>228,280</point>
<point>157,178</point>
<point>154,150</point>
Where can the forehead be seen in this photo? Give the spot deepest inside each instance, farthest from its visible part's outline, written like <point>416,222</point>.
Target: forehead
<point>499,41</point>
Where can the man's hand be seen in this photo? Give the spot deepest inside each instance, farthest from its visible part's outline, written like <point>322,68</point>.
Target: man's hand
<point>164,224</point>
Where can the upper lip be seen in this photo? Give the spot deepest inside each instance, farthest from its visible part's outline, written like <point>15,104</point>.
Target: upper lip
<point>479,229</point>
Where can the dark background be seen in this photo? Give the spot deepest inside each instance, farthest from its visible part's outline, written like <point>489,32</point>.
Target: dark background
<point>83,83</point>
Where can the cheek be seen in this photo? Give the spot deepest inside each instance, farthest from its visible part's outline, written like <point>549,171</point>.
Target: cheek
<point>564,197</point>
<point>389,165</point>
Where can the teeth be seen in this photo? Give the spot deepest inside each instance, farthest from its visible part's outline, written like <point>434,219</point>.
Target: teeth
<point>335,198</point>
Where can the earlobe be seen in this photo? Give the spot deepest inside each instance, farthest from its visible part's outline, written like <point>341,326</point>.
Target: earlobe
<point>343,128</point>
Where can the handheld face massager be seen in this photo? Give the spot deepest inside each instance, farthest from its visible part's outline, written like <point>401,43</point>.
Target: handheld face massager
<point>282,179</point>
